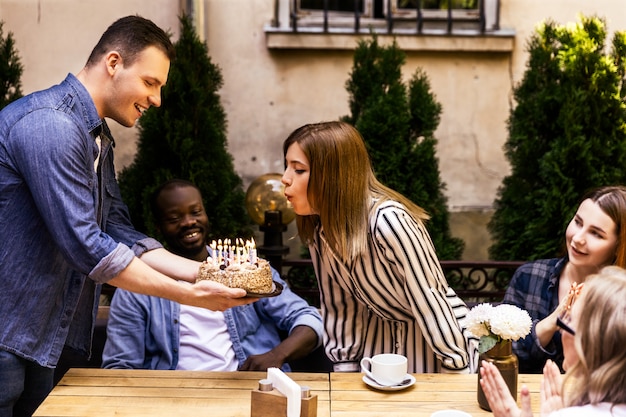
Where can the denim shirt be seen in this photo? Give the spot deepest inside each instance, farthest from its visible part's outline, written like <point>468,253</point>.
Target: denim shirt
<point>60,222</point>
<point>143,332</point>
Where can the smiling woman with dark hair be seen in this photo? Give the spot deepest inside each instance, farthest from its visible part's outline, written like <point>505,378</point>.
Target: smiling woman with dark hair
<point>594,238</point>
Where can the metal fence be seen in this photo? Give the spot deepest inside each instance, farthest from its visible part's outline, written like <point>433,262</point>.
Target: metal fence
<point>302,16</point>
<point>474,282</point>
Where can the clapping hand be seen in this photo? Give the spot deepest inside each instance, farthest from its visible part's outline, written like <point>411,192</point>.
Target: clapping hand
<point>551,386</point>
<point>498,395</point>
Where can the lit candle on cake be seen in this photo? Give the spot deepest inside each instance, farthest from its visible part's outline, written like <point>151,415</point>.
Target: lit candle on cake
<point>214,252</point>
<point>245,248</point>
<point>220,253</point>
<point>239,250</point>
<point>252,252</point>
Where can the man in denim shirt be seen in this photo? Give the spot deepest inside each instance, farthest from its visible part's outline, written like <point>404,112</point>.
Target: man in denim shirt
<point>62,219</point>
<point>145,332</point>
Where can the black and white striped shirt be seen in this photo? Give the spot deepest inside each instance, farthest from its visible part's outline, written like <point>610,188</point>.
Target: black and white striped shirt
<point>393,299</point>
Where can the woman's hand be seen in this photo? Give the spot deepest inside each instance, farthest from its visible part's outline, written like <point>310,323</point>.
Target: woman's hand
<point>551,386</point>
<point>546,328</point>
<point>498,395</point>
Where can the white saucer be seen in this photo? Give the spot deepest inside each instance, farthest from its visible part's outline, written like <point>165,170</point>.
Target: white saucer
<point>375,385</point>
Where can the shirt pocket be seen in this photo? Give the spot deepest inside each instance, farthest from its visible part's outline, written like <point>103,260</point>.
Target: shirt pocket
<point>248,321</point>
<point>111,194</point>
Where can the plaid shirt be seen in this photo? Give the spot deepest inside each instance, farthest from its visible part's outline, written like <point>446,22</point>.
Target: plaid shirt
<point>534,288</point>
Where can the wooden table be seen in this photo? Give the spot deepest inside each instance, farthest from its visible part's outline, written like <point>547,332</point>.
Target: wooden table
<point>88,392</point>
<point>349,396</point>
<point>137,393</point>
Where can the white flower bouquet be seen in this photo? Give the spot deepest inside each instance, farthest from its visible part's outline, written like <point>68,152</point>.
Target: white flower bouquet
<point>496,324</point>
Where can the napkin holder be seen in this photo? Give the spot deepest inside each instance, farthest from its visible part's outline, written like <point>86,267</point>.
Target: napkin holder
<point>267,401</point>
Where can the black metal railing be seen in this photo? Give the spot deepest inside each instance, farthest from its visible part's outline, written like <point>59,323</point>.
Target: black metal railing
<point>417,19</point>
<point>473,281</point>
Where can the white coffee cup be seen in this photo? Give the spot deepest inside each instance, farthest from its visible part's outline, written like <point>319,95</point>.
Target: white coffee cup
<point>450,413</point>
<point>386,368</point>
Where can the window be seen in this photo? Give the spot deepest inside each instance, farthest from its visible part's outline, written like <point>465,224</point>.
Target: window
<point>437,14</point>
<point>417,25</point>
<point>333,13</point>
<point>390,16</point>
<point>433,8</point>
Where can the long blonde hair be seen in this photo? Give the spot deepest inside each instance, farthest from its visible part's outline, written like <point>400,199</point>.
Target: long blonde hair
<point>342,186</point>
<point>600,341</point>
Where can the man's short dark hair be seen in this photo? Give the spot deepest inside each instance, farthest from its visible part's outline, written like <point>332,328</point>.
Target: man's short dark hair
<point>129,36</point>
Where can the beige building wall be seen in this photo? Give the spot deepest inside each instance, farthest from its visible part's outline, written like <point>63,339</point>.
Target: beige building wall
<point>268,92</point>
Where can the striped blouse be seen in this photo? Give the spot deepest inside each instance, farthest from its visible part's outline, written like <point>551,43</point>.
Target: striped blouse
<point>393,299</point>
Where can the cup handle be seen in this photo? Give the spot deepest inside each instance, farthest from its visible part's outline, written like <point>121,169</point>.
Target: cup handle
<point>365,362</point>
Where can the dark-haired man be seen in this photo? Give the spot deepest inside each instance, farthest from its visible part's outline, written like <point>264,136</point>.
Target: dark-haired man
<point>62,219</point>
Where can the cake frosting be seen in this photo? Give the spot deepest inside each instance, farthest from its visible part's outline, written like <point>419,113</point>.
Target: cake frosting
<point>237,267</point>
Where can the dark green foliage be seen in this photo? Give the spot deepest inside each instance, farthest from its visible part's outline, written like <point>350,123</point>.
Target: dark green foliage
<point>398,125</point>
<point>10,70</point>
<point>186,138</point>
<point>567,134</point>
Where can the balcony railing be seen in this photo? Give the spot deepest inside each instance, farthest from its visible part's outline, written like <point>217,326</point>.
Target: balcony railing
<point>474,282</point>
<point>300,16</point>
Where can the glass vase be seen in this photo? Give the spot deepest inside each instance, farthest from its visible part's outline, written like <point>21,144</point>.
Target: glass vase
<point>502,356</point>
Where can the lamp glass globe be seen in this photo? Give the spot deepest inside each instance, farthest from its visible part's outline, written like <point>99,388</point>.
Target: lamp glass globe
<point>266,193</point>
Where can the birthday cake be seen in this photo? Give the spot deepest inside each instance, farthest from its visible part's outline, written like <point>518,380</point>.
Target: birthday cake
<point>237,266</point>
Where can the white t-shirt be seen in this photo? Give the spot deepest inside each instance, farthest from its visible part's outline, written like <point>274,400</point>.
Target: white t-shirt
<point>205,343</point>
<point>598,410</point>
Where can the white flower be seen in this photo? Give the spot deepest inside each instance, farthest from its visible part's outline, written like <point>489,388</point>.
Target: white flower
<point>495,324</point>
<point>510,322</point>
<point>478,319</point>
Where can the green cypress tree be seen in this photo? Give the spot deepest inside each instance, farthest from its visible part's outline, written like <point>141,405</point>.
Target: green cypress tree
<point>398,125</point>
<point>10,70</point>
<point>567,134</point>
<point>186,138</point>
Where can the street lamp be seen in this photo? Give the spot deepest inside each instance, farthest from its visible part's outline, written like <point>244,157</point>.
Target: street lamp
<point>270,209</point>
